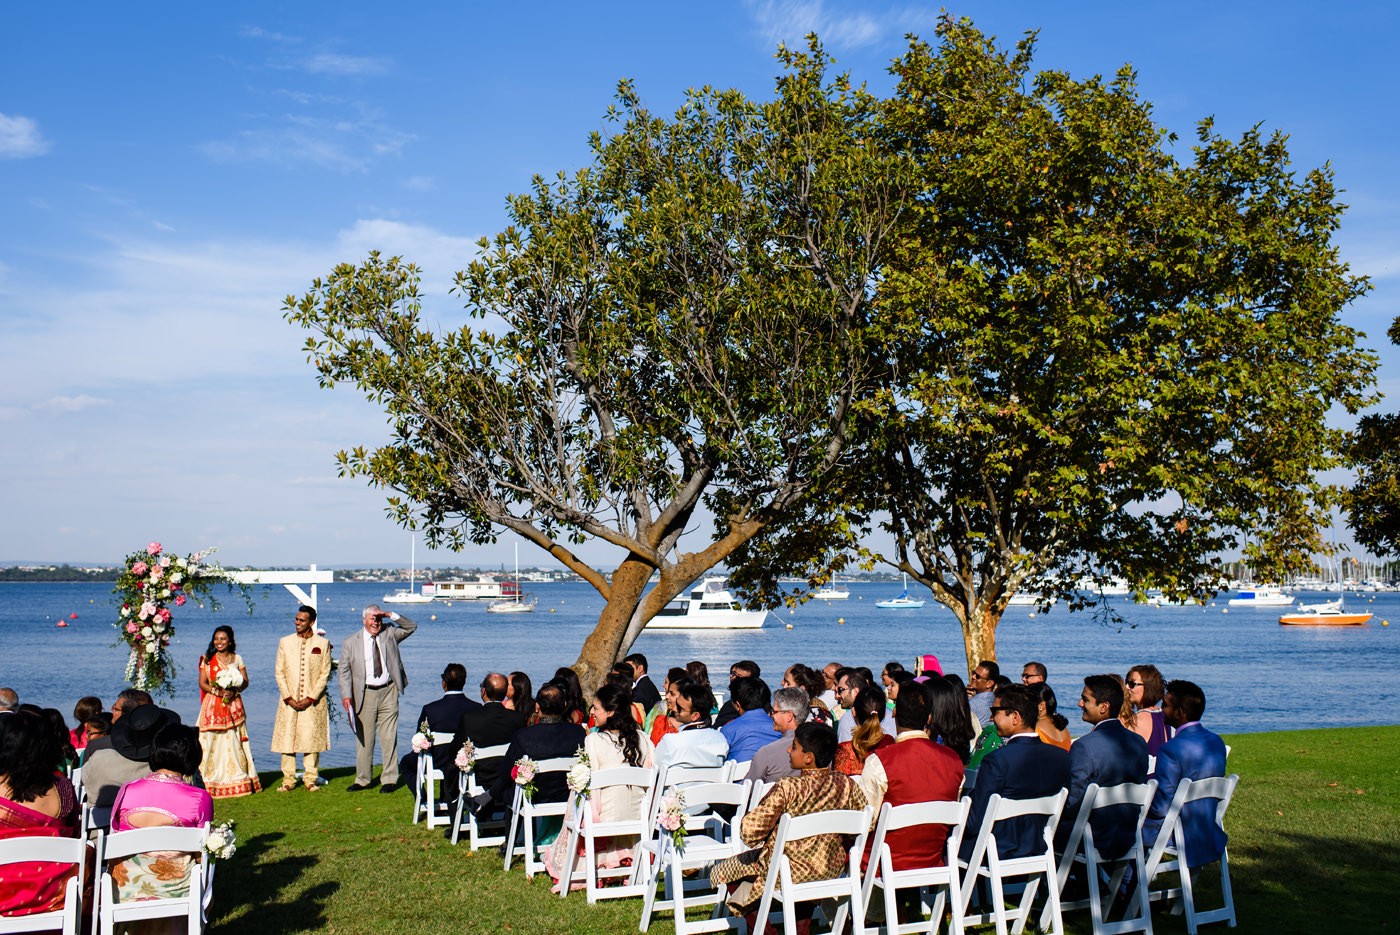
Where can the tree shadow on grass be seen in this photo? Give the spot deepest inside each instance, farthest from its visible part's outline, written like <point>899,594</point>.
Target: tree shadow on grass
<point>256,895</point>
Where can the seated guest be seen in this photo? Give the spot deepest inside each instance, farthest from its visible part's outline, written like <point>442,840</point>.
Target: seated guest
<point>162,799</point>
<point>128,759</point>
<point>488,725</point>
<point>127,701</point>
<point>643,688</point>
<point>621,676</point>
<point>771,761</point>
<point>828,694</point>
<point>869,733</point>
<point>618,741</point>
<point>34,802</point>
<point>816,788</point>
<point>1192,753</point>
<point>67,755</point>
<point>520,696</point>
<point>1022,768</point>
<point>927,666</point>
<point>87,708</point>
<point>97,726</point>
<point>744,668</point>
<point>661,718</point>
<point>1109,755</point>
<point>752,728</point>
<point>950,721</point>
<point>913,768</point>
<point>573,692</point>
<point>552,736</point>
<point>888,673</point>
<point>696,743</point>
<point>9,701</point>
<point>1145,689</point>
<point>441,717</point>
<point>979,690</point>
<point>850,683</point>
<point>1052,726</point>
<point>1034,673</point>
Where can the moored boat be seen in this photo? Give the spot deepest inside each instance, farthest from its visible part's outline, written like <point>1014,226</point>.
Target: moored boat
<point>710,606</point>
<point>903,602</point>
<point>1261,595</point>
<point>408,595</point>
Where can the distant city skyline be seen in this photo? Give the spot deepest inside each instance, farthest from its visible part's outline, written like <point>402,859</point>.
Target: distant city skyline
<point>168,179</point>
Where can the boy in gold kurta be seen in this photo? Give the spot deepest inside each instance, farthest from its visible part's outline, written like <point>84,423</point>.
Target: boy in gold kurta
<point>303,714</point>
<point>821,857</point>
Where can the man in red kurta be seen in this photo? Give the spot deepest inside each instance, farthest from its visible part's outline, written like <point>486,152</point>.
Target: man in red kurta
<point>912,769</point>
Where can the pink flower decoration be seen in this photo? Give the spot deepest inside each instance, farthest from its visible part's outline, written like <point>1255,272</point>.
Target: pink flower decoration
<point>131,626</point>
<point>179,600</point>
<point>139,568</point>
<point>153,548</point>
<point>165,561</point>
<point>147,610</point>
<point>670,822</point>
<point>164,614</point>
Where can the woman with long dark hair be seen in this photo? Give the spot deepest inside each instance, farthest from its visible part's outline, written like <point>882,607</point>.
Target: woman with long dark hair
<point>573,694</point>
<point>227,765</point>
<point>1051,726</point>
<point>868,736</point>
<point>618,741</point>
<point>949,718</point>
<point>520,696</point>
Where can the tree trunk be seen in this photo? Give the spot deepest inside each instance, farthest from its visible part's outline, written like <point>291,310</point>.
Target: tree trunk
<point>979,627</point>
<point>600,651</point>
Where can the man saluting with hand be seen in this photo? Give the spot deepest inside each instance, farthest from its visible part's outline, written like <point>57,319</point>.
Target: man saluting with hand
<point>371,680</point>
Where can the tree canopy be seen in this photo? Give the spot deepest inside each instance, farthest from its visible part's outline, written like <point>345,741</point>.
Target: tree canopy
<point>674,326</point>
<point>1103,360</point>
<point>1373,502</point>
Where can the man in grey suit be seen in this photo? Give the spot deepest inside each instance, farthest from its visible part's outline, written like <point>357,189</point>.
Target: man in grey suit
<point>371,679</point>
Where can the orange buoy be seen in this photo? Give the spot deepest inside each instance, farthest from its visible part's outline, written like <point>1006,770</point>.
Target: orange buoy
<point>63,623</point>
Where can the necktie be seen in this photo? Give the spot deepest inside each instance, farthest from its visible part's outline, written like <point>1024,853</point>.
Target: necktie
<point>378,659</point>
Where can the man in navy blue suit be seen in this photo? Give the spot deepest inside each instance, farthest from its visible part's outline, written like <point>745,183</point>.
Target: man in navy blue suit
<point>1193,753</point>
<point>1109,754</point>
<point>442,717</point>
<point>1024,767</point>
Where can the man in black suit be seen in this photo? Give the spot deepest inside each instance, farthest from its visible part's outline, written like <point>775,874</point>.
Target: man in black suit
<point>1109,754</point>
<point>442,717</point>
<point>553,736</point>
<point>489,725</point>
<point>643,689</point>
<point>1024,767</point>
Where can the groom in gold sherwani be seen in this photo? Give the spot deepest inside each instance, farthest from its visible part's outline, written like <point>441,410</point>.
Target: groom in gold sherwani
<point>303,714</point>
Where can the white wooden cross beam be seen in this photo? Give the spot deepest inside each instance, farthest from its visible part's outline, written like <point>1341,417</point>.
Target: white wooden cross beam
<point>291,580</point>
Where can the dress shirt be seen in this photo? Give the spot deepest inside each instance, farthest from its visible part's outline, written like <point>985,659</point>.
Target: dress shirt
<point>385,678</point>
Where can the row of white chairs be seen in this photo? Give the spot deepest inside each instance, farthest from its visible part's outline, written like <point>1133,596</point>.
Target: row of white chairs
<point>108,911</point>
<point>660,865</point>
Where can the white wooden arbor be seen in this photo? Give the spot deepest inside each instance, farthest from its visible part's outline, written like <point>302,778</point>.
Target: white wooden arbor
<point>291,580</point>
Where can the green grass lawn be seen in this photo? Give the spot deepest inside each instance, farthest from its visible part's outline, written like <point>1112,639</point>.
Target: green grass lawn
<point>1314,847</point>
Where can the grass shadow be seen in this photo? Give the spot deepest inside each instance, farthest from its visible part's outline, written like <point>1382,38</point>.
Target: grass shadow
<point>252,893</point>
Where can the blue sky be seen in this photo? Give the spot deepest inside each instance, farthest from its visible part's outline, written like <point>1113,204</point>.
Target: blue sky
<point>168,174</point>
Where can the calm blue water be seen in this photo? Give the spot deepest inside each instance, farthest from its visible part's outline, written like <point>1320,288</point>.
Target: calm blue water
<point>1256,674</point>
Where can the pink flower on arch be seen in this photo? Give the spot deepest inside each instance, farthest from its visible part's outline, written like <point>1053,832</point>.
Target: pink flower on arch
<point>140,568</point>
<point>131,626</point>
<point>147,610</point>
<point>153,548</point>
<point>164,614</point>
<point>179,600</point>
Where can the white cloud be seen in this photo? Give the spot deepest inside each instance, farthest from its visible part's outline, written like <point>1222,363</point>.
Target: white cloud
<point>257,32</point>
<point>330,63</point>
<point>20,138</point>
<point>56,405</point>
<point>345,143</point>
<point>789,21</point>
<point>162,227</point>
<point>419,183</point>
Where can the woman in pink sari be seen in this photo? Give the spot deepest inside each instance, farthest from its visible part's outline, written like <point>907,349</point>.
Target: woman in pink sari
<point>34,802</point>
<point>162,799</point>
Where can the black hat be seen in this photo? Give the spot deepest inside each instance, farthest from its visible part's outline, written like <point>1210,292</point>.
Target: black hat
<point>133,732</point>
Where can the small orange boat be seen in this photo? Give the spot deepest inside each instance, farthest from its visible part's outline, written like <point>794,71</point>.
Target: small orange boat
<point>1331,614</point>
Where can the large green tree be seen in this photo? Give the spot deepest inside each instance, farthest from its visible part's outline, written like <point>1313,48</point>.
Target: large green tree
<point>674,327</point>
<point>1373,502</point>
<point>1104,360</point>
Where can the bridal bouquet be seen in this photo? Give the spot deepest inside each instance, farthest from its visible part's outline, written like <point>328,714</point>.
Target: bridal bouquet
<point>422,741</point>
<point>580,774</point>
<point>228,679</point>
<point>151,584</point>
<point>523,772</point>
<point>466,757</point>
<point>671,818</point>
<point>221,843</point>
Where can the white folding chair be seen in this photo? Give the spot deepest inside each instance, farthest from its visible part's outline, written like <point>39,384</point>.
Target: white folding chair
<point>712,840</point>
<point>780,886</point>
<point>124,844</point>
<point>1080,848</point>
<point>428,803</point>
<point>48,850</point>
<point>580,824</point>
<point>757,791</point>
<point>467,786</point>
<point>879,870</point>
<point>524,812</point>
<point>738,771</point>
<point>987,864</point>
<point>1169,852</point>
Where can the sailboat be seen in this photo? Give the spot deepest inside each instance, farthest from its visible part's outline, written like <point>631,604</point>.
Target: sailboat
<point>1326,614</point>
<point>904,601</point>
<point>408,595</point>
<point>513,604</point>
<point>831,591</point>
